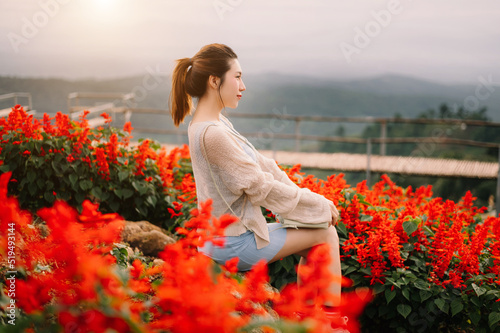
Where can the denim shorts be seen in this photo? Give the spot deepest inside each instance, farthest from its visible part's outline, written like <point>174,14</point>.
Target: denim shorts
<point>245,248</point>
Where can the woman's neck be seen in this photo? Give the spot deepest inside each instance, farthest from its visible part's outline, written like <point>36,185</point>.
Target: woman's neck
<point>208,108</point>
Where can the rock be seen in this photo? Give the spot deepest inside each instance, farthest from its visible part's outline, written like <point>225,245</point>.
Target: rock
<point>147,237</point>
<point>158,262</point>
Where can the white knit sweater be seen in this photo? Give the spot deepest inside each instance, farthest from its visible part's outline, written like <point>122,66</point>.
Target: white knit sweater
<point>247,180</point>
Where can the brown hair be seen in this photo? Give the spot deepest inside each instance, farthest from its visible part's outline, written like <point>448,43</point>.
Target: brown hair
<point>190,77</point>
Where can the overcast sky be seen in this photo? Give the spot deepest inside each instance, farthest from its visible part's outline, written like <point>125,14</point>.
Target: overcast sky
<point>450,41</point>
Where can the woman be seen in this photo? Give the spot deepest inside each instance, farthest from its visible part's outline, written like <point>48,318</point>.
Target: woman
<point>239,179</point>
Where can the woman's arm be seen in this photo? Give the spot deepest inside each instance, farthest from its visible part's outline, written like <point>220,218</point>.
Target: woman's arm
<point>241,174</point>
<point>269,165</point>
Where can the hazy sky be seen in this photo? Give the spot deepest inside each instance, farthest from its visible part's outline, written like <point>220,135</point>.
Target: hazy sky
<point>442,40</point>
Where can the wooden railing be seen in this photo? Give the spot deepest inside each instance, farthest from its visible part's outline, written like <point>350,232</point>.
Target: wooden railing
<point>16,96</point>
<point>118,105</point>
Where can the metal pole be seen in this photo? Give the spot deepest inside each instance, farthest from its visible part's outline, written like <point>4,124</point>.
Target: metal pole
<point>297,134</point>
<point>497,199</point>
<point>383,136</point>
<point>368,157</point>
<point>273,145</point>
<point>179,137</point>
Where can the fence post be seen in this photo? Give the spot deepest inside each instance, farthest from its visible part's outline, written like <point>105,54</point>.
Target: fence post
<point>179,137</point>
<point>497,199</point>
<point>297,135</point>
<point>383,136</point>
<point>368,157</point>
<point>273,145</point>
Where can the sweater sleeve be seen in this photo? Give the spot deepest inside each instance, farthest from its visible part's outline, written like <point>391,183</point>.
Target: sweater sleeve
<point>242,175</point>
<point>268,164</point>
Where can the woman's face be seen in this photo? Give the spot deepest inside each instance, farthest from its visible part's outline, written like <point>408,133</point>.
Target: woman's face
<point>233,86</point>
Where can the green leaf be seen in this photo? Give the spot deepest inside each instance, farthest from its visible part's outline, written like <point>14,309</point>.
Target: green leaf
<point>48,172</point>
<point>287,263</point>
<point>378,288</point>
<point>96,192</point>
<point>350,269</point>
<point>422,285</point>
<point>493,319</point>
<point>389,295</point>
<point>341,228</point>
<point>428,231</point>
<point>479,290</point>
<point>55,166</point>
<point>73,179</point>
<point>127,193</point>
<point>64,195</point>
<point>32,188</point>
<point>118,193</point>
<point>49,196</point>
<point>366,218</point>
<point>85,184</point>
<point>410,226</point>
<point>142,210</point>
<point>122,159</point>
<point>122,175</point>
<point>475,317</point>
<point>424,295</point>
<point>64,167</point>
<point>442,305</point>
<point>152,200</point>
<point>456,306</point>
<point>476,301</point>
<point>406,293</point>
<point>31,176</point>
<point>140,187</point>
<point>104,195</point>
<point>404,310</point>
<point>79,197</point>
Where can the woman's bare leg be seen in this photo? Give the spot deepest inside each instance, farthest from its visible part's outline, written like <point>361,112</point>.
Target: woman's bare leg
<point>300,241</point>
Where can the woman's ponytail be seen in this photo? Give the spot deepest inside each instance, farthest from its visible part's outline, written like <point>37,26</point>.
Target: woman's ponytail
<point>181,102</point>
<point>190,77</point>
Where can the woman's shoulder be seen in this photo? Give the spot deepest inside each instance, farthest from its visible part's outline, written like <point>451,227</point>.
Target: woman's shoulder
<point>199,126</point>
<point>209,130</point>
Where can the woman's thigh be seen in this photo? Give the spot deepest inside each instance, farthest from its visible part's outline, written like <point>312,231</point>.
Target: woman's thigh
<point>245,248</point>
<point>299,241</point>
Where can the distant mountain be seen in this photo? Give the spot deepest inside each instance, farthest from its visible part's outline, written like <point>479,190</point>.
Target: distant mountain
<point>382,96</point>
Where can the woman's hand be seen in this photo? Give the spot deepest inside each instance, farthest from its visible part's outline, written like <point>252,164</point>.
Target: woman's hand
<point>335,214</point>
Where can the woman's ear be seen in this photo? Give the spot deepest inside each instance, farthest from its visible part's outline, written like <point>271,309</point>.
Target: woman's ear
<point>214,81</point>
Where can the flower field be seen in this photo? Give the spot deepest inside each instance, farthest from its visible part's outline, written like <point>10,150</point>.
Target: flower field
<point>413,262</point>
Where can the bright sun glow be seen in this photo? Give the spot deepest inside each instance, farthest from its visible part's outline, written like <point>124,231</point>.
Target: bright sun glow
<point>105,4</point>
